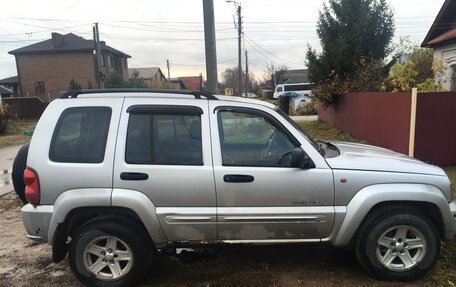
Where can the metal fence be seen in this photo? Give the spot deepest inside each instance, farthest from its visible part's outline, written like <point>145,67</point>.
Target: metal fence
<point>384,119</point>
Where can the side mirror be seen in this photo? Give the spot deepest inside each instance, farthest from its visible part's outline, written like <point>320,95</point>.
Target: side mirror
<point>300,159</point>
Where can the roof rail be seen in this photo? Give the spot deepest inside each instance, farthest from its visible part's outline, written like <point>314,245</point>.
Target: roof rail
<point>196,94</point>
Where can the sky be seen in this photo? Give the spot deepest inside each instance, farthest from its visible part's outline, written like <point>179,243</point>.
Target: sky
<point>153,31</point>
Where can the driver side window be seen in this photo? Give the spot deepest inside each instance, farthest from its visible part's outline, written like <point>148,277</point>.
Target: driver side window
<point>248,139</point>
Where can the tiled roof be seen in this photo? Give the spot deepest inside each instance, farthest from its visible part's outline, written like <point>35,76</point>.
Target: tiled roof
<point>10,80</point>
<point>146,73</point>
<point>191,83</point>
<point>442,30</point>
<point>449,35</point>
<point>70,43</point>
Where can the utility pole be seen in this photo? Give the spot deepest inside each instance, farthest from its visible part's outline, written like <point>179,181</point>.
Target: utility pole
<point>210,48</point>
<point>246,74</point>
<point>239,27</point>
<point>96,40</point>
<point>239,50</point>
<point>169,78</point>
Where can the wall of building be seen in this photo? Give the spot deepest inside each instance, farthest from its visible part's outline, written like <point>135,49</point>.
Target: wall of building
<point>56,71</point>
<point>447,54</point>
<point>383,119</point>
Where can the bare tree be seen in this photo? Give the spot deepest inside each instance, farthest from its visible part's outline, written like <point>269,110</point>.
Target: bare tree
<point>230,78</point>
<point>274,74</point>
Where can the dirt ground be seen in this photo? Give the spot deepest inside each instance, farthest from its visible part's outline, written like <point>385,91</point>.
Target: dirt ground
<point>26,263</point>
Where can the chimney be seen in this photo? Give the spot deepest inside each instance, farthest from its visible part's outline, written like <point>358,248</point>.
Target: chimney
<point>57,39</point>
<point>102,43</point>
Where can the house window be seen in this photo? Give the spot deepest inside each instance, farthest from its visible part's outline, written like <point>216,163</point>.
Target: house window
<point>40,88</point>
<point>102,60</point>
<point>110,61</point>
<point>453,78</point>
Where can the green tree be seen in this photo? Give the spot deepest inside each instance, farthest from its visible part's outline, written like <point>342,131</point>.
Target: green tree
<point>419,70</point>
<point>135,81</point>
<point>353,34</point>
<point>114,80</point>
<point>402,77</point>
<point>74,85</point>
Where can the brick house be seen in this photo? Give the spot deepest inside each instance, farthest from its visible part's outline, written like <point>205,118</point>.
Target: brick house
<point>47,67</point>
<point>153,76</point>
<point>193,83</point>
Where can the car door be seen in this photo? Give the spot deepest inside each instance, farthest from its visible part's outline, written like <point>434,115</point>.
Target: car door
<point>163,150</point>
<point>259,196</point>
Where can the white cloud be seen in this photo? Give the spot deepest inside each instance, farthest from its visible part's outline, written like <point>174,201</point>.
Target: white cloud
<point>153,31</point>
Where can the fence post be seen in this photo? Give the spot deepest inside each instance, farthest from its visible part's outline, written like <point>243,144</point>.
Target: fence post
<point>413,122</point>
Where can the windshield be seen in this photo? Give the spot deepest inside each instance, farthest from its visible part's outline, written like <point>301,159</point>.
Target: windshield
<point>296,126</point>
<point>302,87</point>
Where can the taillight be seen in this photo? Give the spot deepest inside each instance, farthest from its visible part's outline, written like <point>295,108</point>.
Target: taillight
<point>32,186</point>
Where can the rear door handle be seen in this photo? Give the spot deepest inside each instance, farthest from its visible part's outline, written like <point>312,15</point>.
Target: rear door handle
<point>134,176</point>
<point>238,178</point>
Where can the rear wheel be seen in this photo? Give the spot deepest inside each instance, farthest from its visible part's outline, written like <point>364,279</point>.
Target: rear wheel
<point>398,243</point>
<point>109,253</point>
<point>19,165</point>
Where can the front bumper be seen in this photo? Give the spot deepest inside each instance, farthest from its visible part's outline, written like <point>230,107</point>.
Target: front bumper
<point>36,221</point>
<point>453,213</point>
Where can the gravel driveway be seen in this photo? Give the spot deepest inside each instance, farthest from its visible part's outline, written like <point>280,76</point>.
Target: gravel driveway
<point>26,263</point>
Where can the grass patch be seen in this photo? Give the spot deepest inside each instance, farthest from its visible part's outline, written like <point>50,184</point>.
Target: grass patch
<point>320,130</point>
<point>10,202</point>
<point>14,134</point>
<point>444,273</point>
<point>451,172</point>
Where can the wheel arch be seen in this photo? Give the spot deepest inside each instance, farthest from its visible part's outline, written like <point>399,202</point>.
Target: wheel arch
<point>73,208</point>
<point>427,199</point>
<point>79,216</point>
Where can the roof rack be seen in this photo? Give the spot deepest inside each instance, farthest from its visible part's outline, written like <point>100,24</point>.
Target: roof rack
<point>196,94</point>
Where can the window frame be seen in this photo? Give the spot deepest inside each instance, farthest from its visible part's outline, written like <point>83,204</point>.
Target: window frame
<point>110,61</point>
<point>269,118</point>
<point>66,112</point>
<point>40,87</point>
<point>168,110</point>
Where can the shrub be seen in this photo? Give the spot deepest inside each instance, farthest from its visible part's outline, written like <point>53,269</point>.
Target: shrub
<point>5,115</point>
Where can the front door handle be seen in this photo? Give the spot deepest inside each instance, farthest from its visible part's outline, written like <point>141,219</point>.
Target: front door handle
<point>134,176</point>
<point>238,178</point>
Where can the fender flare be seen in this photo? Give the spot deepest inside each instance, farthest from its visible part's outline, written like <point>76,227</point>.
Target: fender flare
<point>145,209</point>
<point>75,198</point>
<point>368,197</point>
<point>101,197</point>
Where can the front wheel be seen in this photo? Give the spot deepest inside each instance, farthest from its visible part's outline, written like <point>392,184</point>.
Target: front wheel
<point>398,243</point>
<point>107,253</point>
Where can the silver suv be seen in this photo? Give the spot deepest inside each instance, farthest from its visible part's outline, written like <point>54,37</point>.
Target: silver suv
<point>113,176</point>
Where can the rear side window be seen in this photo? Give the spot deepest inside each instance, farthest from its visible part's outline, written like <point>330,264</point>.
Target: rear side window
<point>80,135</point>
<point>164,135</point>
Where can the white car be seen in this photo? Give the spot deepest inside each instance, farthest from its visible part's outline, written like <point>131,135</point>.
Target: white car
<point>249,95</point>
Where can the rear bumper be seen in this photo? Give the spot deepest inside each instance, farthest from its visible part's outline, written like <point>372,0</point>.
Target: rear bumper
<point>36,221</point>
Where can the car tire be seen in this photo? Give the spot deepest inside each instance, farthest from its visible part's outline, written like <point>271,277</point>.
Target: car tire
<point>110,252</point>
<point>397,243</point>
<point>19,165</point>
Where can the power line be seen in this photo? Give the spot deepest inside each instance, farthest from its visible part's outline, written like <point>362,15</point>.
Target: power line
<point>253,42</point>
